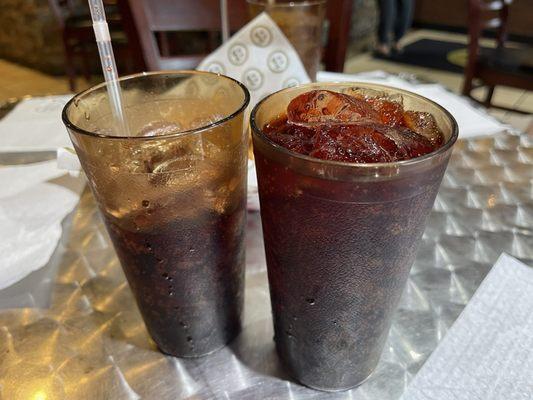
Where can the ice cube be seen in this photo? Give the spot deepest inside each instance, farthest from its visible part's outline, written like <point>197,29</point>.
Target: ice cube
<point>365,143</point>
<point>293,137</point>
<point>359,125</point>
<point>324,106</point>
<point>181,154</point>
<point>388,106</point>
<point>367,93</point>
<point>408,143</point>
<point>165,155</point>
<point>424,124</point>
<point>353,143</point>
<point>204,121</point>
<point>390,112</point>
<point>159,128</point>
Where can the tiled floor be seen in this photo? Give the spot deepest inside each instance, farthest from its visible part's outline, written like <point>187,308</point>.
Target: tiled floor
<point>17,81</point>
<point>510,97</point>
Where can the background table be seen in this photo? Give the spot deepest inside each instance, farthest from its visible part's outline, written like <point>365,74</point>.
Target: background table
<point>87,341</point>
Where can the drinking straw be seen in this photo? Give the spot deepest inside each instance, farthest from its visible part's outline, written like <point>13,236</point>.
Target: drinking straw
<point>224,20</point>
<point>107,59</point>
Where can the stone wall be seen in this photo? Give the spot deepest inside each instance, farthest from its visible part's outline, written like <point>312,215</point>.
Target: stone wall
<point>29,35</point>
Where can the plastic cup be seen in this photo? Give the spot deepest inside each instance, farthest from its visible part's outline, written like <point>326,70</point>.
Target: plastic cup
<point>302,23</point>
<point>172,194</point>
<point>340,239</point>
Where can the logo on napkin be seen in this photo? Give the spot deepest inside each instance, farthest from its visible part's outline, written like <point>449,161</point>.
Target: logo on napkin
<point>260,56</point>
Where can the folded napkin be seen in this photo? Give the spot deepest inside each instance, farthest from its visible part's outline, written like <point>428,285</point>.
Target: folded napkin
<point>472,121</point>
<point>17,178</point>
<point>252,202</point>
<point>35,125</point>
<point>260,56</point>
<point>487,353</point>
<point>33,202</point>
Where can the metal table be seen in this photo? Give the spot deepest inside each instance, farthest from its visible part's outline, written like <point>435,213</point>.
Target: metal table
<point>89,342</point>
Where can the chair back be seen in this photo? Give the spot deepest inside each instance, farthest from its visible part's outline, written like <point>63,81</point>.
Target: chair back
<point>339,15</point>
<point>148,17</point>
<point>484,15</point>
<point>160,16</point>
<point>60,9</point>
<point>487,14</point>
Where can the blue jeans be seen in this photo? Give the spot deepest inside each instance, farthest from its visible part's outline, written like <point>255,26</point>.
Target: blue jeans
<point>395,17</point>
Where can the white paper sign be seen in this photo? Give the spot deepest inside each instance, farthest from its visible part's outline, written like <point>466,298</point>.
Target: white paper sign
<point>261,57</point>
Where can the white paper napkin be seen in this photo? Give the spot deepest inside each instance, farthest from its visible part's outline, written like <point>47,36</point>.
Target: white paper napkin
<point>33,201</point>
<point>472,121</point>
<point>260,56</point>
<point>17,178</point>
<point>488,352</point>
<point>35,125</point>
<point>252,202</point>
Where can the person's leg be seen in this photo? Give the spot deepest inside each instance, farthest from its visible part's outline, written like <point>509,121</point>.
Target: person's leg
<point>403,19</point>
<point>387,14</point>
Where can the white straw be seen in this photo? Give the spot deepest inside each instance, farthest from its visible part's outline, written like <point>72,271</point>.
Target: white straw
<point>109,67</point>
<point>224,20</point>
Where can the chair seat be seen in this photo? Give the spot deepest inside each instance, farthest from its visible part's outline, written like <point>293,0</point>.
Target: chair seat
<point>516,61</point>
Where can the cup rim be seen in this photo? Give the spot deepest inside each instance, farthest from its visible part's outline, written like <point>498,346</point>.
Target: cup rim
<point>71,126</point>
<point>287,4</point>
<point>258,132</point>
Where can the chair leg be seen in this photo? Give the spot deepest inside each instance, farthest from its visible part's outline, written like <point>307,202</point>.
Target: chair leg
<point>85,62</point>
<point>211,40</point>
<point>467,85</point>
<point>165,45</point>
<point>488,97</point>
<point>69,64</point>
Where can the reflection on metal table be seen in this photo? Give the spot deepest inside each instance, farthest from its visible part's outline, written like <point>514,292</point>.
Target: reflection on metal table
<point>90,342</point>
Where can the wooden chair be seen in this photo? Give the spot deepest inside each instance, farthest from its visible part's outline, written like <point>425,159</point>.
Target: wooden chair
<point>75,25</point>
<point>498,66</point>
<point>153,19</point>
<point>339,15</point>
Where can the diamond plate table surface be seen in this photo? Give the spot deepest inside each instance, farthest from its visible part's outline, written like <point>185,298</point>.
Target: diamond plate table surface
<point>90,343</point>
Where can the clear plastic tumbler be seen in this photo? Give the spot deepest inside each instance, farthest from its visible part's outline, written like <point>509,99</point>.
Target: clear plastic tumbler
<point>172,193</point>
<point>340,239</point>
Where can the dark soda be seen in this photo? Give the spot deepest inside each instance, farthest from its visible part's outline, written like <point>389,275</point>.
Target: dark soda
<point>187,277</point>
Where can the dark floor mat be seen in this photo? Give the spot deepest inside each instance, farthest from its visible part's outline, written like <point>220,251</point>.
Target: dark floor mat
<point>428,53</point>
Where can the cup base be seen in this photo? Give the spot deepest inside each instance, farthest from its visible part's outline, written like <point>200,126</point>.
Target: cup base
<point>194,355</point>
<point>334,390</point>
<point>293,375</point>
<point>202,354</point>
